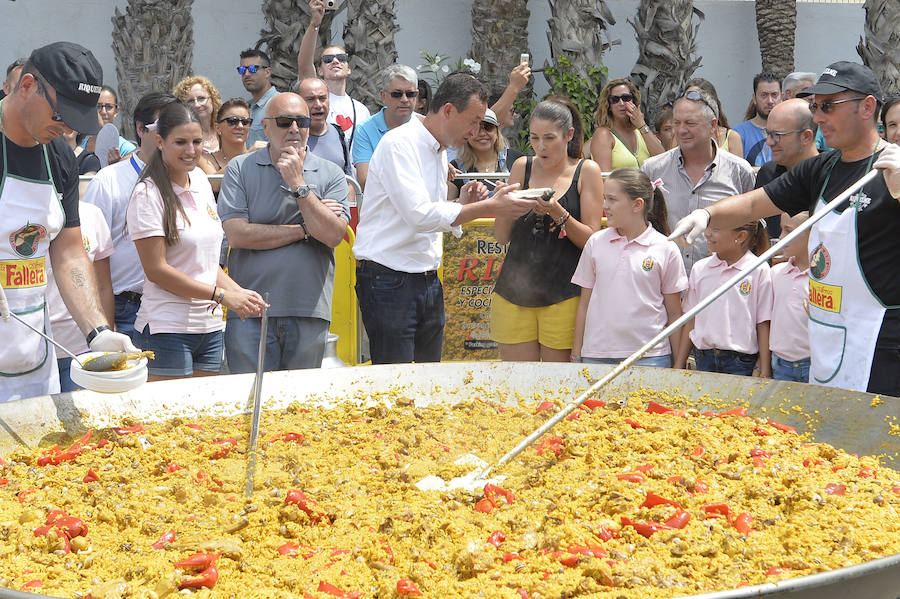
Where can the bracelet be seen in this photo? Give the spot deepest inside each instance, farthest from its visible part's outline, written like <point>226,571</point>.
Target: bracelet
<point>561,220</point>
<point>94,332</point>
<point>220,297</point>
<point>575,358</point>
<point>213,296</point>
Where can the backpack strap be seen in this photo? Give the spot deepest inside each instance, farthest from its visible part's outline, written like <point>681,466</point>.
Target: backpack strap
<point>344,146</point>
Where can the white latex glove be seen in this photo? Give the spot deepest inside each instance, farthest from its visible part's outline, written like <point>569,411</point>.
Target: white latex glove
<point>691,227</point>
<point>4,305</point>
<point>889,162</point>
<point>112,341</point>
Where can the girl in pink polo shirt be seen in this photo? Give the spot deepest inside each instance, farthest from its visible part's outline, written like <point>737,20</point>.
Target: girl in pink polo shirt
<point>731,335</point>
<point>638,273</point>
<point>173,221</point>
<point>789,339</point>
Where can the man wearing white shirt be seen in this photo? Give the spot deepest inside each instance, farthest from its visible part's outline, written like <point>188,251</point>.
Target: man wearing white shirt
<point>404,213</point>
<point>110,191</point>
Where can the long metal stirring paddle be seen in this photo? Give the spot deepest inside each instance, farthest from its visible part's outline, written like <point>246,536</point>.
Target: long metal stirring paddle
<point>257,403</point>
<point>48,338</point>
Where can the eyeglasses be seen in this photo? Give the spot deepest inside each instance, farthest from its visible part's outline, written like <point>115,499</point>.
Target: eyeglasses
<point>106,107</point>
<point>828,105</point>
<point>396,94</point>
<point>777,135</point>
<point>198,100</point>
<point>253,68</point>
<point>342,57</point>
<point>284,122</point>
<point>623,98</point>
<point>695,96</point>
<point>234,120</point>
<point>56,116</point>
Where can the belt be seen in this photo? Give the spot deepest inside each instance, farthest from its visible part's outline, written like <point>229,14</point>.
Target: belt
<point>368,264</point>
<point>130,296</point>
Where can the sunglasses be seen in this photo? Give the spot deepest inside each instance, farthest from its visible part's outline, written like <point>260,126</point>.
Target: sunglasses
<point>56,115</point>
<point>106,107</point>
<point>396,94</point>
<point>342,57</point>
<point>234,120</point>
<point>283,122</point>
<point>488,127</point>
<point>253,68</point>
<point>828,105</point>
<point>695,96</point>
<point>623,98</point>
<point>777,135</point>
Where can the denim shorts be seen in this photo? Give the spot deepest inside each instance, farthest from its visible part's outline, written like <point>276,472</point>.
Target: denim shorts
<point>179,354</point>
<point>654,361</point>
<point>725,361</point>
<point>787,370</point>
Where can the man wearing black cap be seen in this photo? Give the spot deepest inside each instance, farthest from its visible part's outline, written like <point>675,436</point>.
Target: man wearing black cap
<point>56,92</point>
<point>854,320</point>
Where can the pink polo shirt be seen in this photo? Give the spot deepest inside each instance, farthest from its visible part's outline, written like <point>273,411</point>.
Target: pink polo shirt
<point>730,321</point>
<point>196,255</point>
<point>629,279</point>
<point>790,322</point>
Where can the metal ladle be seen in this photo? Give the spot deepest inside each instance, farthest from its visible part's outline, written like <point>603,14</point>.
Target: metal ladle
<point>48,338</point>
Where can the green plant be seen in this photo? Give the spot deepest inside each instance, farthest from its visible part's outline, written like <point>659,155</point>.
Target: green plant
<point>437,66</point>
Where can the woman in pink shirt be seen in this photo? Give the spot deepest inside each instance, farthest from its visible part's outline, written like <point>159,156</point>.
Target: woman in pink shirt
<point>173,221</point>
<point>789,339</point>
<point>731,335</point>
<point>642,276</point>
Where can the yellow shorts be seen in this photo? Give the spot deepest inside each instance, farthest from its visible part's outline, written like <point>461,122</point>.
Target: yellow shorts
<point>552,326</point>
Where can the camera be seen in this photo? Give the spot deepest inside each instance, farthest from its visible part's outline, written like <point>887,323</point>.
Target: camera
<point>331,4</point>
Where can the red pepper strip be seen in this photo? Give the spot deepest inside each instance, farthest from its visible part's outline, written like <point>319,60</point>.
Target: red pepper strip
<point>656,408</point>
<point>761,431</point>
<point>810,463</point>
<point>484,506</point>
<point>206,579</point>
<point>3,462</point>
<point>24,494</point>
<point>293,437</point>
<point>717,509</point>
<point>553,444</point>
<point>645,529</point>
<point>645,468</point>
<point>835,489</point>
<point>173,467</point>
<point>742,523</point>
<point>71,526</point>
<point>327,587</point>
<point>407,588</point>
<point>588,550</point>
<point>777,570</point>
<point>733,412</point>
<point>91,476</point>
<point>497,538</point>
<point>303,502</point>
<point>866,472</point>
<point>545,406</point>
<point>4,482</point>
<point>593,403</point>
<point>32,584</point>
<point>652,499</point>
<point>631,477</point>
<point>570,560</point>
<point>759,462</point>
<point>196,427</point>
<point>698,451</point>
<point>757,452</point>
<point>224,447</point>
<point>128,430</point>
<point>199,561</point>
<point>574,416</point>
<point>896,490</point>
<point>289,549</point>
<point>701,487</point>
<point>781,427</point>
<point>508,557</point>
<point>633,423</point>
<point>492,491</point>
<point>679,520</point>
<point>606,534</point>
<point>165,539</point>
<point>522,593</point>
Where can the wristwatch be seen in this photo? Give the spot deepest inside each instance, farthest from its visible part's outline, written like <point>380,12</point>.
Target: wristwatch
<point>645,129</point>
<point>300,192</point>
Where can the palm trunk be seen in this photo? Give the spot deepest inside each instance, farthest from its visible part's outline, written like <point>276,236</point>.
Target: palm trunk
<point>776,21</point>
<point>153,43</point>
<point>667,42</point>
<point>880,46</point>
<point>286,22</point>
<point>576,31</point>
<point>499,37</point>
<point>369,38</point>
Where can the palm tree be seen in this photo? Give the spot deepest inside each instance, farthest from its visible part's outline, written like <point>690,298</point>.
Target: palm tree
<point>499,37</point>
<point>880,48</point>
<point>776,21</point>
<point>667,42</point>
<point>153,43</point>
<point>369,39</point>
<point>286,22</point>
<point>576,29</point>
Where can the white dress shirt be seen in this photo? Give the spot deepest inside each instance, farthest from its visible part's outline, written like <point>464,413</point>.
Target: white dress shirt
<point>405,209</point>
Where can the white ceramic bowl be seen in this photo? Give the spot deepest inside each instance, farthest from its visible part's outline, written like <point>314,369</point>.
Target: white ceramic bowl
<point>116,381</point>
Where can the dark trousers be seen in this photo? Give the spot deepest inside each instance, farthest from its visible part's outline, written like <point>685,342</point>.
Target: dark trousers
<point>403,313</point>
<point>725,361</point>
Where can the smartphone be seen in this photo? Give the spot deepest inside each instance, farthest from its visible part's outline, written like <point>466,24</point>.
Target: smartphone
<point>331,4</point>
<point>523,58</point>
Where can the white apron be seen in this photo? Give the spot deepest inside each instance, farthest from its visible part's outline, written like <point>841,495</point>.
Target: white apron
<point>31,215</point>
<point>845,317</point>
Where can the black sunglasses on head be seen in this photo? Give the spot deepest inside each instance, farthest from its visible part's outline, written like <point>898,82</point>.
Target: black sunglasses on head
<point>399,94</point>
<point>253,68</point>
<point>234,120</point>
<point>342,57</point>
<point>283,122</point>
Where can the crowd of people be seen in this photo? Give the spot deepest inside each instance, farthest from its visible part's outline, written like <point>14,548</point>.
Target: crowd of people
<point>154,252</point>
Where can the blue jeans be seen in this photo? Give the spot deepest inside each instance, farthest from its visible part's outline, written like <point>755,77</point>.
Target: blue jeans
<point>786,370</point>
<point>403,313</point>
<point>655,361</point>
<point>725,361</point>
<point>65,378</point>
<point>179,354</point>
<point>292,342</point>
<point>127,305</point>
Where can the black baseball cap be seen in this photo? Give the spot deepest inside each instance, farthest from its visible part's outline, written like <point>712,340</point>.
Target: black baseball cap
<point>76,76</point>
<point>843,75</point>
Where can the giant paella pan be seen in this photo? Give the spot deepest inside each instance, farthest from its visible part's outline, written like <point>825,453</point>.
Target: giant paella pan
<point>668,484</point>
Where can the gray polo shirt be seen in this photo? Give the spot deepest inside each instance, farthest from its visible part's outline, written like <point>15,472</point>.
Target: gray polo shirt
<point>725,176</point>
<point>299,277</point>
<point>257,112</point>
